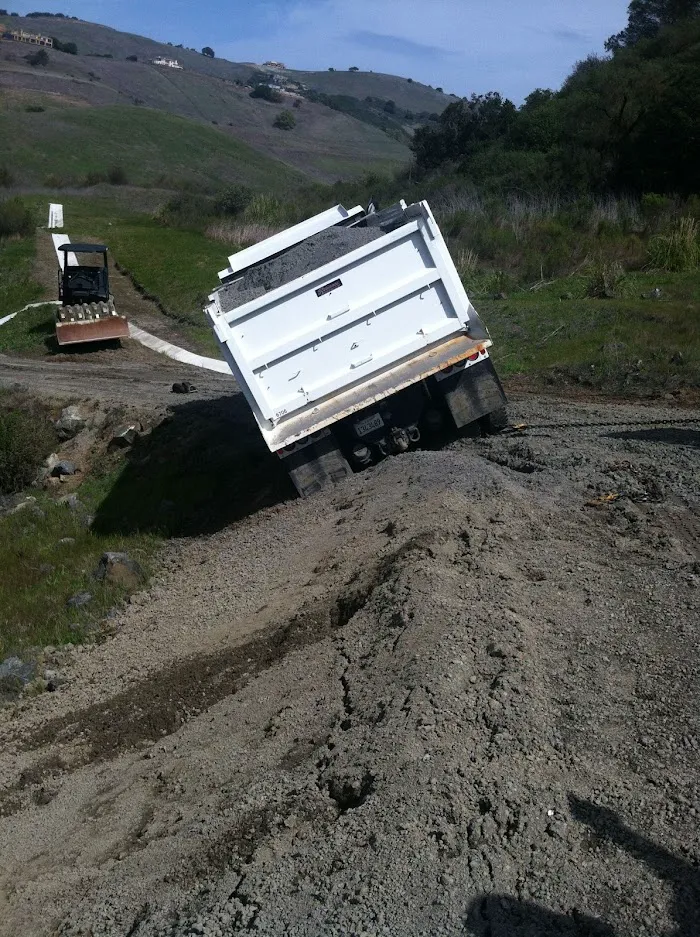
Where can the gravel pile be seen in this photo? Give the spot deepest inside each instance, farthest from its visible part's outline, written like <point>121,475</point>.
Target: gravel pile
<point>311,254</point>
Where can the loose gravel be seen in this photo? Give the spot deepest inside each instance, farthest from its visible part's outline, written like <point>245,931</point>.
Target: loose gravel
<point>311,254</point>
<point>456,695</point>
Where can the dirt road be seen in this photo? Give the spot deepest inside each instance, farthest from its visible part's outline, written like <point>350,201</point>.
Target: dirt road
<point>458,695</point>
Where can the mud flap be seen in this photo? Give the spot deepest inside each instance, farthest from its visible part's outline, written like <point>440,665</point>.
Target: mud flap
<point>473,393</point>
<point>317,466</point>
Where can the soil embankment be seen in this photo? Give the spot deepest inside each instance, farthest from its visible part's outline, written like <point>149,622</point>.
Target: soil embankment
<point>456,695</point>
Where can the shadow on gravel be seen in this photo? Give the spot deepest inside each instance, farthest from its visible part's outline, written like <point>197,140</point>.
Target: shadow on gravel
<point>505,916</point>
<point>670,435</point>
<point>203,468</point>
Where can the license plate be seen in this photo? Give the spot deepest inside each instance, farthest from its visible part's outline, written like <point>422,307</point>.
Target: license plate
<point>364,427</point>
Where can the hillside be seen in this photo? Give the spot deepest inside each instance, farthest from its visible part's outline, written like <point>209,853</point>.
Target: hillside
<point>325,144</point>
<point>64,143</point>
<point>95,39</point>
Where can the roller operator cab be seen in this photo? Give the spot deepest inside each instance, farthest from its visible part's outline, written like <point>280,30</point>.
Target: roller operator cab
<point>352,338</point>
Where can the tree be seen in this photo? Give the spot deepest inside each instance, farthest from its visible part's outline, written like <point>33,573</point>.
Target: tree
<point>646,17</point>
<point>40,57</point>
<point>439,90</point>
<point>331,69</point>
<point>390,107</point>
<point>353,68</point>
<point>208,51</point>
<point>285,120</point>
<point>132,58</point>
<point>266,93</point>
<point>234,200</point>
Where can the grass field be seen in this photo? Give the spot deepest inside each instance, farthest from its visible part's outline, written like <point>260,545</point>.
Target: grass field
<point>17,286</point>
<point>627,344</point>
<point>71,144</point>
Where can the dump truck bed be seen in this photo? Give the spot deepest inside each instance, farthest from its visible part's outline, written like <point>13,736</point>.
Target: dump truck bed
<point>350,332</point>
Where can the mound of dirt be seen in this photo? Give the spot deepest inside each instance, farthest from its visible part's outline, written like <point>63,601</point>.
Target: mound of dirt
<point>457,695</point>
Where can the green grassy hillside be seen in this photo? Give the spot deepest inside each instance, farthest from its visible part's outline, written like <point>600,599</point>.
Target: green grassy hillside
<point>324,144</point>
<point>407,95</point>
<point>65,145</point>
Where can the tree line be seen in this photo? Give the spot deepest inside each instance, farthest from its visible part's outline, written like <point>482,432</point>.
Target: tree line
<point>627,121</point>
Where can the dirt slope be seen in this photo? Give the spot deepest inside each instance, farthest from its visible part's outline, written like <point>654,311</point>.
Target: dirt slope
<point>448,697</point>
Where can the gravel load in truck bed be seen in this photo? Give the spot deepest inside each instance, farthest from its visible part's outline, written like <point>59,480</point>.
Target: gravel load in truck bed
<point>311,254</point>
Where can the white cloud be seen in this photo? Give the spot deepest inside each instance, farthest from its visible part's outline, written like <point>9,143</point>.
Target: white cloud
<point>463,45</point>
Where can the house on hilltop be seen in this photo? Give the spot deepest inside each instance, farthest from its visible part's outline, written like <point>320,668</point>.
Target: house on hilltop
<point>167,63</point>
<point>278,65</point>
<point>19,35</point>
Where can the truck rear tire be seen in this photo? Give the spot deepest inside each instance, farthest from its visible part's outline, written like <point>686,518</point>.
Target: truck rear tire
<point>494,422</point>
<point>317,466</point>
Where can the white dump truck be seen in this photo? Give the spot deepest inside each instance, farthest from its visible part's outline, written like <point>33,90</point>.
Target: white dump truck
<point>352,338</point>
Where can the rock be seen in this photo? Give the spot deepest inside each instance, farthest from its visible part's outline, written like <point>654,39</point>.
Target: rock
<point>501,296</point>
<point>64,467</point>
<point>183,387</point>
<point>22,506</point>
<point>45,569</point>
<point>126,435</point>
<point>72,502</point>
<point>15,674</point>
<point>51,460</point>
<point>79,600</point>
<point>120,569</point>
<point>65,541</point>
<point>70,423</point>
<point>677,358</point>
<point>653,294</point>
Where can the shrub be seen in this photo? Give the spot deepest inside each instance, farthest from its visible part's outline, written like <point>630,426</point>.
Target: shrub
<point>265,209</point>
<point>132,58</point>
<point>607,278</point>
<point>233,200</point>
<point>6,178</point>
<point>187,210</point>
<point>34,109</point>
<point>116,175</point>
<point>266,93</point>
<point>679,250</point>
<point>285,120</point>
<point>208,51</point>
<point>15,219</point>
<point>40,57</point>
<point>26,438</point>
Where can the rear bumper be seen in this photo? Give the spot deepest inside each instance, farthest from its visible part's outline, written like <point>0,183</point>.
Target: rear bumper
<point>416,368</point>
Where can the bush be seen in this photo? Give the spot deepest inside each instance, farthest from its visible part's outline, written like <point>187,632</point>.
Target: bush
<point>266,209</point>
<point>266,93</point>
<point>679,250</point>
<point>6,178</point>
<point>208,51</point>
<point>132,58</point>
<point>34,109</point>
<point>233,200</point>
<point>116,175</point>
<point>26,438</point>
<point>15,219</point>
<point>40,57</point>
<point>285,120</point>
<point>187,210</point>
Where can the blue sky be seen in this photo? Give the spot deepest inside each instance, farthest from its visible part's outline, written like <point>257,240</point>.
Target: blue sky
<point>465,46</point>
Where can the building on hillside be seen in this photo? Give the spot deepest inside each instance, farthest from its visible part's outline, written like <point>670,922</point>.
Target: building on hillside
<point>168,63</point>
<point>19,35</point>
<point>279,65</point>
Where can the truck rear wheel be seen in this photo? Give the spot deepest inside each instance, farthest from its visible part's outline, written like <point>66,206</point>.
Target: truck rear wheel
<point>317,466</point>
<point>494,422</point>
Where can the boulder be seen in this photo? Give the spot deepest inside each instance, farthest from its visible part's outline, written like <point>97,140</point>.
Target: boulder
<point>77,601</point>
<point>126,435</point>
<point>70,423</point>
<point>64,467</point>
<point>15,674</point>
<point>183,387</point>
<point>72,502</point>
<point>119,569</point>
